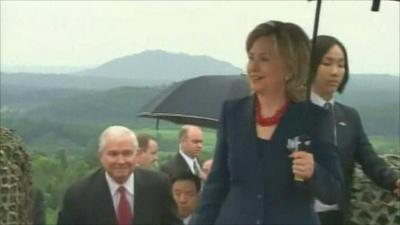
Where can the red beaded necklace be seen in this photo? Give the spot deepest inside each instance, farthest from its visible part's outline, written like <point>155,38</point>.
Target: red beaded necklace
<point>269,121</point>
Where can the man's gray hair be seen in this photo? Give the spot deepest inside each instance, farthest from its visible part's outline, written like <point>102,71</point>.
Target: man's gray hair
<point>116,132</point>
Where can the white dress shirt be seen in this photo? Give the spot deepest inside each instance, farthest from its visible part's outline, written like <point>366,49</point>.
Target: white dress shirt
<point>113,186</point>
<point>186,220</point>
<point>189,161</point>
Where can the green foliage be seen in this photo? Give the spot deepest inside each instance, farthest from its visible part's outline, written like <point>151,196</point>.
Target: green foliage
<point>386,145</point>
<point>115,106</point>
<point>53,174</point>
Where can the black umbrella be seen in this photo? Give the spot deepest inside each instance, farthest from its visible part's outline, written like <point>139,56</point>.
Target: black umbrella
<point>196,101</point>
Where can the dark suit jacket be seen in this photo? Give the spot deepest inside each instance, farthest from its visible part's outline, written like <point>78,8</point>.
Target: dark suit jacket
<point>253,185</point>
<point>89,201</point>
<point>176,166</point>
<point>354,146</point>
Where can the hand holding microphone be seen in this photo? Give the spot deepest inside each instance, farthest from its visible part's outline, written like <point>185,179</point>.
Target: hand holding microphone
<point>303,159</point>
<point>303,165</point>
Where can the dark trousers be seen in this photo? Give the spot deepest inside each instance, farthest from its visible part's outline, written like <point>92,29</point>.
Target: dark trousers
<point>331,217</point>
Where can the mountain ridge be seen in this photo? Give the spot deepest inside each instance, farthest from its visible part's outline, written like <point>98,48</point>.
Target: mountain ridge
<point>158,63</point>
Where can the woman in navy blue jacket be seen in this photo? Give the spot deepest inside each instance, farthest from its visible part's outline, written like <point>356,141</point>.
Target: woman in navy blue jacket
<point>256,177</point>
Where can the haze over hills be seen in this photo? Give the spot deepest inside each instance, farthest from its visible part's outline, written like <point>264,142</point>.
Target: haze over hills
<point>147,68</point>
<point>78,97</point>
<point>158,64</point>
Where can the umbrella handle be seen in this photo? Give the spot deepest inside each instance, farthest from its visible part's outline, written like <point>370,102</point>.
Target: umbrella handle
<point>314,39</point>
<point>375,5</point>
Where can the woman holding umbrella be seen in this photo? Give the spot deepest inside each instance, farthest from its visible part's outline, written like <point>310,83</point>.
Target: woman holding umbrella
<point>330,68</point>
<point>260,174</point>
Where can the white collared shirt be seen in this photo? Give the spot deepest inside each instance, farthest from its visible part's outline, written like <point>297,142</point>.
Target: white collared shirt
<point>319,101</point>
<point>189,161</point>
<point>186,220</point>
<point>129,187</point>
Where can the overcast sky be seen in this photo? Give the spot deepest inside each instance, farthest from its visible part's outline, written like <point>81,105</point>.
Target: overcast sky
<point>89,33</point>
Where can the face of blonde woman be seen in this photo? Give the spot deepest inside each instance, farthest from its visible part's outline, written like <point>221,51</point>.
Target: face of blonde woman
<point>330,73</point>
<point>265,68</point>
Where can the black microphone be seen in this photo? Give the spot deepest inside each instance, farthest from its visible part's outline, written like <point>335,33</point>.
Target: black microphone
<point>304,143</point>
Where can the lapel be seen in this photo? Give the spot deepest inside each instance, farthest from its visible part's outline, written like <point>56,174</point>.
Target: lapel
<point>103,207</point>
<point>138,198</point>
<point>291,123</point>
<point>247,129</point>
<point>181,163</point>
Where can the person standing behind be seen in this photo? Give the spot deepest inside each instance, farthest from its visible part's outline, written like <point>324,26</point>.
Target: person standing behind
<point>190,147</point>
<point>146,155</point>
<point>118,193</point>
<point>330,67</point>
<point>185,190</point>
<point>256,178</point>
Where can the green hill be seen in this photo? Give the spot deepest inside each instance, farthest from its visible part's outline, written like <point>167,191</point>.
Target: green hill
<point>117,105</point>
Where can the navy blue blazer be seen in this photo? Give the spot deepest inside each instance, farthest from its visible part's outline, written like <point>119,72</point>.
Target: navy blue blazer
<point>89,201</point>
<point>354,146</point>
<point>251,181</point>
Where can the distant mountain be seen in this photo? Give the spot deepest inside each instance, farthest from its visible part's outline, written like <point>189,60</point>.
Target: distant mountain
<point>157,64</point>
<point>366,90</point>
<point>148,68</point>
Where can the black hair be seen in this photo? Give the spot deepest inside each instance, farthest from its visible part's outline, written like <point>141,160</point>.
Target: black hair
<point>322,45</point>
<point>189,177</point>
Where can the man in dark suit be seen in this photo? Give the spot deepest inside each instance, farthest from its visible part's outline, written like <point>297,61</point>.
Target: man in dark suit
<point>330,66</point>
<point>190,147</point>
<point>118,193</point>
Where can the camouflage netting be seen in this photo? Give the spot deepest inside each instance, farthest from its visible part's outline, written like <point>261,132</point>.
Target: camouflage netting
<point>371,204</point>
<point>15,180</point>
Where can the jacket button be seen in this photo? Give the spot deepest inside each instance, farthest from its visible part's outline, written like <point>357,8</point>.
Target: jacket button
<point>258,221</point>
<point>259,196</point>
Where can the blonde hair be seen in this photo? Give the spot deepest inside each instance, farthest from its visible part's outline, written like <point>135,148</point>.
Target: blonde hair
<point>293,45</point>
